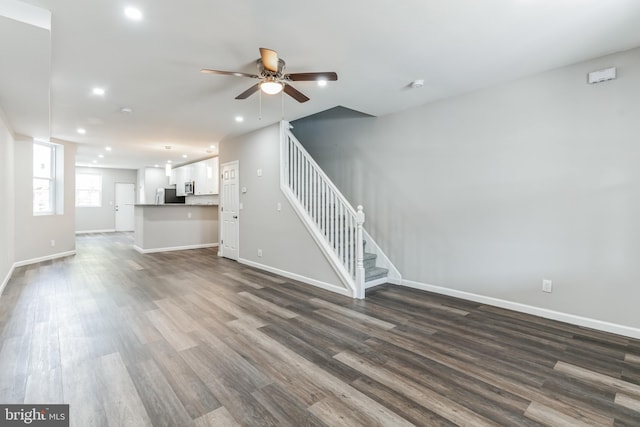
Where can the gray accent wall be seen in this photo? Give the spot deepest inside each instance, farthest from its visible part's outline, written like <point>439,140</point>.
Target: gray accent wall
<point>491,192</point>
<point>103,218</point>
<point>285,242</point>
<point>7,181</point>
<point>171,227</point>
<point>34,234</point>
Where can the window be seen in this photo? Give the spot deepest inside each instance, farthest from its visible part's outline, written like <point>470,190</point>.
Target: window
<point>88,190</point>
<point>44,178</point>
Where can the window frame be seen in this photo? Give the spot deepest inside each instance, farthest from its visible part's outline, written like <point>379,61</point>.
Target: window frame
<point>52,179</point>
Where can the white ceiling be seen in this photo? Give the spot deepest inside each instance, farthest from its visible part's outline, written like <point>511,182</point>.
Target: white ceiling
<point>376,47</point>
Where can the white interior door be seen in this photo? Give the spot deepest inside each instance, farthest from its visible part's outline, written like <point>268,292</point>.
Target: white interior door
<point>125,198</point>
<point>229,207</point>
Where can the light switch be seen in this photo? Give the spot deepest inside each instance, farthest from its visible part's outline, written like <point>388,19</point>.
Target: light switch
<point>244,190</point>
<point>279,206</point>
<point>259,172</point>
<point>240,206</point>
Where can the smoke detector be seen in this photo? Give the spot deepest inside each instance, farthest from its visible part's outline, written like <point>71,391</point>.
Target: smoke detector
<point>417,84</point>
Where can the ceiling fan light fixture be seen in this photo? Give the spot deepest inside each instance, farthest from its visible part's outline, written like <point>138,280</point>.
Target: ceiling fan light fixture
<point>271,86</point>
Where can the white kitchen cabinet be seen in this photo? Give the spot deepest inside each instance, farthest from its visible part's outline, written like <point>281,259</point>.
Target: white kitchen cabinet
<point>180,180</point>
<point>199,178</point>
<point>205,175</point>
<point>215,175</point>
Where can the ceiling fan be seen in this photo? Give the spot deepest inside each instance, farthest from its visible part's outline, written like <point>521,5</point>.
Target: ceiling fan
<point>273,79</point>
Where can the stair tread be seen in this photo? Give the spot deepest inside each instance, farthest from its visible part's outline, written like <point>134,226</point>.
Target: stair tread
<point>373,273</point>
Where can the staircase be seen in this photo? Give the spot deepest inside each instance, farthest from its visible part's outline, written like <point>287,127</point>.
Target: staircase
<point>371,270</point>
<point>334,224</point>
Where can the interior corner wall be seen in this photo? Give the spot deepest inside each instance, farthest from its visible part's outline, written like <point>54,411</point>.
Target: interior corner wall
<point>103,218</point>
<point>7,244</point>
<point>34,234</point>
<point>154,178</point>
<point>285,242</point>
<point>491,192</point>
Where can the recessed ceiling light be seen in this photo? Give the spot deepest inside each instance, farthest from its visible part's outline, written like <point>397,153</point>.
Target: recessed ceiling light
<point>126,110</point>
<point>81,131</point>
<point>156,166</point>
<point>107,148</point>
<point>239,119</point>
<point>212,146</point>
<point>95,161</point>
<point>133,13</point>
<point>322,83</point>
<point>101,156</point>
<point>98,91</point>
<point>168,161</point>
<point>184,156</point>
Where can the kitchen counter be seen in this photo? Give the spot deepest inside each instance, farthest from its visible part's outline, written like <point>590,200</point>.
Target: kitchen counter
<point>176,204</point>
<point>175,226</point>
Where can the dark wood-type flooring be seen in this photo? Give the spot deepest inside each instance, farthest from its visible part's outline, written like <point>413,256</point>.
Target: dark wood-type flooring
<point>190,339</point>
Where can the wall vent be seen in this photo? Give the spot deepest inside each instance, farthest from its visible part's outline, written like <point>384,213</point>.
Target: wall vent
<point>600,76</point>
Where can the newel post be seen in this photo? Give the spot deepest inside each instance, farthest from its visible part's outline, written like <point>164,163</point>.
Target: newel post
<point>359,254</point>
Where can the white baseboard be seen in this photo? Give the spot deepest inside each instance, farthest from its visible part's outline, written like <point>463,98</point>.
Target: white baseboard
<point>324,285</point>
<point>7,278</point>
<point>44,258</point>
<point>174,248</point>
<point>110,230</point>
<point>529,309</point>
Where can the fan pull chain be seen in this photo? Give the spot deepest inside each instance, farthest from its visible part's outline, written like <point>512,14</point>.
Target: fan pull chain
<point>260,105</point>
<point>282,104</point>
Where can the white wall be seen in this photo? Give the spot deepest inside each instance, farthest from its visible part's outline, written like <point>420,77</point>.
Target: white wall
<point>7,181</point>
<point>286,244</point>
<point>490,192</point>
<point>34,234</point>
<point>103,218</point>
<point>141,194</point>
<point>154,178</point>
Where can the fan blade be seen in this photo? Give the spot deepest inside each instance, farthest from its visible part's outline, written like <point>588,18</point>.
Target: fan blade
<point>247,93</point>
<point>269,59</point>
<point>295,93</point>
<point>229,73</point>
<point>306,77</point>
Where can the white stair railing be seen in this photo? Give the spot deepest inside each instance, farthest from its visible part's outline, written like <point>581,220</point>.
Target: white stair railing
<point>333,222</point>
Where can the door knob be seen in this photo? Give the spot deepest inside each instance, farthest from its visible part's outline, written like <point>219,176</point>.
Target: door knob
<point>235,217</point>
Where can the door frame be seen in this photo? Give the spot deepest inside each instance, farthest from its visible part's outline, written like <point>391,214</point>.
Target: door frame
<point>235,163</point>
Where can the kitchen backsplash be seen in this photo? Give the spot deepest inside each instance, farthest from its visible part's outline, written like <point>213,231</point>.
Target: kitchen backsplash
<point>202,200</point>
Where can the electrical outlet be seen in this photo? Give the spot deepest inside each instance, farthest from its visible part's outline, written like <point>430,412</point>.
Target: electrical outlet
<point>279,206</point>
<point>547,286</point>
<point>259,252</point>
<point>53,243</point>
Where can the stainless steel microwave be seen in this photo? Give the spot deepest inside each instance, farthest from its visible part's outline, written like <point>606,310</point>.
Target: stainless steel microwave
<point>188,187</point>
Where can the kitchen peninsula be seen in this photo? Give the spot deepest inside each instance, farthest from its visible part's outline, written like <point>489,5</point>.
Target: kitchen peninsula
<point>174,227</point>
